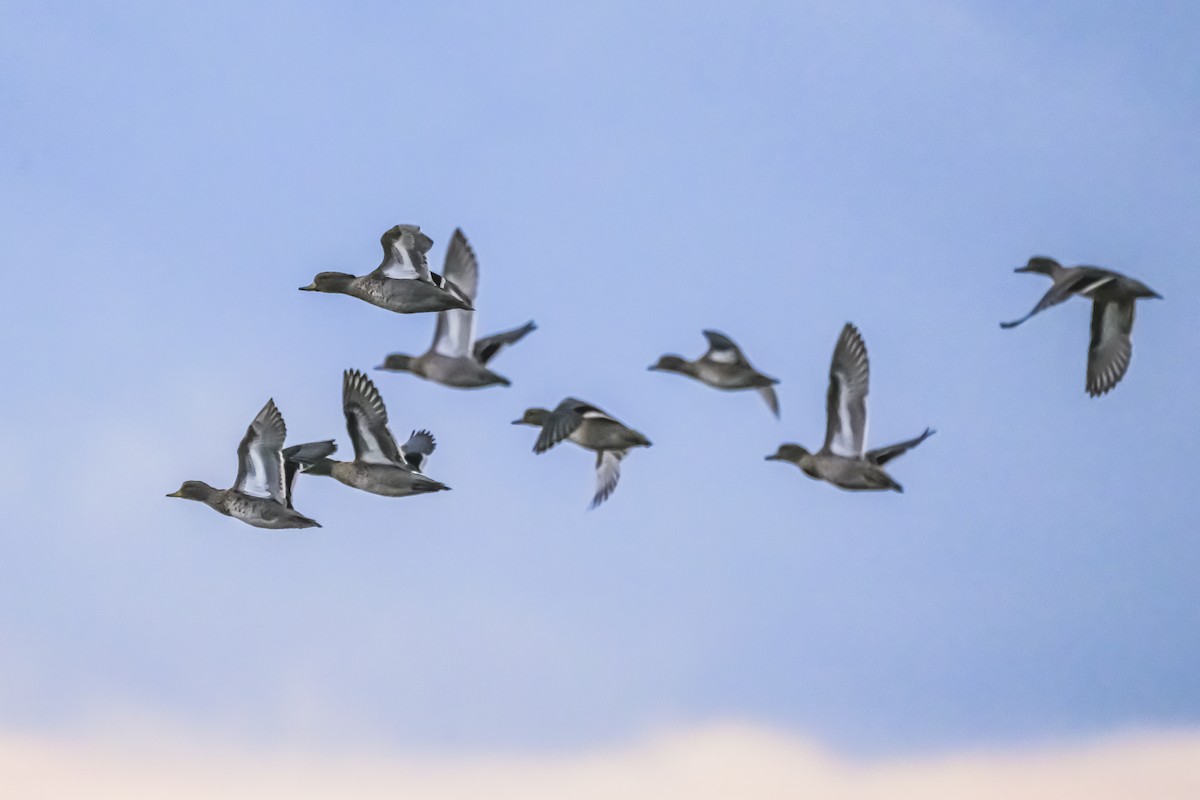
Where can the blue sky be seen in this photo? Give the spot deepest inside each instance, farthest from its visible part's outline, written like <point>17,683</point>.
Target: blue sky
<point>628,176</point>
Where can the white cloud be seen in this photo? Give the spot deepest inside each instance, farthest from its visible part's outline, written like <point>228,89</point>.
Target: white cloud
<point>730,761</point>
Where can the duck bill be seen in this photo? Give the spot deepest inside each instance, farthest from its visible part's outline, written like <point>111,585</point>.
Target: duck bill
<point>175,494</point>
<point>772,457</point>
<point>312,287</point>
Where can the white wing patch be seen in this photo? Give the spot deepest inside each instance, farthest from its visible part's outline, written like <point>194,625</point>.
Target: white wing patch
<point>400,265</point>
<point>258,476</point>
<point>723,356</point>
<point>846,404</point>
<point>1087,290</point>
<point>404,258</point>
<point>372,450</point>
<point>457,337</point>
<point>608,472</point>
<point>843,442</point>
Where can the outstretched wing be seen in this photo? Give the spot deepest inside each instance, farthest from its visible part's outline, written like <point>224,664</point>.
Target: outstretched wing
<point>418,448</point>
<point>298,458</point>
<point>455,331</point>
<point>722,350</point>
<point>487,348</point>
<point>768,393</point>
<point>846,403</point>
<point>366,421</point>
<point>565,420</point>
<point>260,456</point>
<point>462,267</point>
<point>608,472</point>
<point>1111,349</point>
<point>883,455</point>
<point>404,249</point>
<point>1080,280</point>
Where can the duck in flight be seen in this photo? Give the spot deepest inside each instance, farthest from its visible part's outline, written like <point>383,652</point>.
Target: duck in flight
<point>262,492</point>
<point>844,460</point>
<point>1112,294</point>
<point>590,428</point>
<point>723,366</point>
<point>402,282</point>
<point>456,358</point>
<point>379,466</point>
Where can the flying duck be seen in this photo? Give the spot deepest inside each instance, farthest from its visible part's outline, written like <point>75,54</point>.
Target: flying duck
<point>723,366</point>
<point>402,282</point>
<point>262,492</point>
<point>1112,295</point>
<point>379,466</point>
<point>591,429</point>
<point>844,460</point>
<point>455,358</point>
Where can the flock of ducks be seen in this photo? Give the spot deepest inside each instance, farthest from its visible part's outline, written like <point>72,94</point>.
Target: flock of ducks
<point>262,493</point>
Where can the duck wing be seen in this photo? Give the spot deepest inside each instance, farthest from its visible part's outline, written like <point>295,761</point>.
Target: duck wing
<point>883,455</point>
<point>486,348</point>
<point>260,456</point>
<point>366,421</point>
<point>608,472</point>
<point>404,249</point>
<point>1111,348</point>
<point>767,393</point>
<point>462,267</point>
<point>418,448</point>
<point>722,350</point>
<point>298,458</point>
<point>564,420</point>
<point>846,402</point>
<point>455,332</point>
<point>1076,280</point>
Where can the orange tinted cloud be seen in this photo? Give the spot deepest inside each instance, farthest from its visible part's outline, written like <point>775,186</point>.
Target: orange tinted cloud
<point>717,762</point>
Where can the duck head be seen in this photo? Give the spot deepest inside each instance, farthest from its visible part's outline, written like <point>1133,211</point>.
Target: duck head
<point>194,490</point>
<point>335,282</point>
<point>671,363</point>
<point>791,453</point>
<point>399,362</point>
<point>1041,265</point>
<point>533,416</point>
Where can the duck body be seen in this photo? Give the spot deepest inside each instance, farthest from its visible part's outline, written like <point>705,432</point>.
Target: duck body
<point>259,512</point>
<point>731,377</point>
<point>602,433</point>
<point>455,372</point>
<point>404,295</point>
<point>384,479</point>
<point>851,474</point>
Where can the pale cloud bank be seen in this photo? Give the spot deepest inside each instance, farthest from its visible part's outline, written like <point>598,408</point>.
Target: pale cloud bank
<point>728,761</point>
